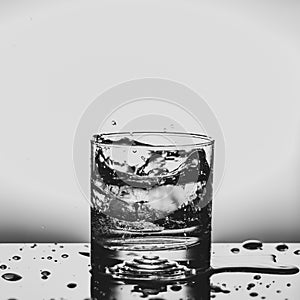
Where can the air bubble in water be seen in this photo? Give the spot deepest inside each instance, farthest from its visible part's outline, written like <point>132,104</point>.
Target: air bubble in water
<point>16,257</point>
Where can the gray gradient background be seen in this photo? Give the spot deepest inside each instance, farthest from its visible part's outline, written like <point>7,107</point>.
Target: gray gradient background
<point>243,57</point>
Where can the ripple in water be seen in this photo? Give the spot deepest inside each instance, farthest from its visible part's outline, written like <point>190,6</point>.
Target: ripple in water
<point>282,247</point>
<point>150,267</point>
<point>11,277</point>
<point>253,245</point>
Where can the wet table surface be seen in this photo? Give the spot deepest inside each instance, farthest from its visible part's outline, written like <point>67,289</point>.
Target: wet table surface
<point>61,271</point>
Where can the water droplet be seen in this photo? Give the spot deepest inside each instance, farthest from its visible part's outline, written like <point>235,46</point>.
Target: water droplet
<point>16,257</point>
<point>55,260</point>
<point>282,247</point>
<point>71,285</point>
<point>42,257</point>
<point>113,122</point>
<point>11,277</point>
<point>250,286</point>
<point>33,246</point>
<point>61,246</point>
<point>257,277</point>
<point>253,245</point>
<point>176,288</point>
<point>218,289</point>
<point>288,284</point>
<point>134,151</point>
<point>46,273</point>
<point>150,257</point>
<point>268,285</point>
<point>278,291</point>
<point>21,249</point>
<point>253,294</point>
<point>44,277</point>
<point>84,254</point>
<point>297,252</point>
<point>53,250</point>
<point>3,267</point>
<point>49,257</point>
<point>64,255</point>
<point>263,297</point>
<point>235,250</point>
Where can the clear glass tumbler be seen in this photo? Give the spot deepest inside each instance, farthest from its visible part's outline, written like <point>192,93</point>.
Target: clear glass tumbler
<point>151,203</point>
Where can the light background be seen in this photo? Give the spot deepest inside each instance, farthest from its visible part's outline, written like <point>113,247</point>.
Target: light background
<point>242,57</point>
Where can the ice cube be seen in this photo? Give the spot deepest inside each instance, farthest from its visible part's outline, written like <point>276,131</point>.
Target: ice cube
<point>166,199</point>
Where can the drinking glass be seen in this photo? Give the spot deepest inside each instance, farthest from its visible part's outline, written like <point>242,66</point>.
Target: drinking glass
<point>151,204</point>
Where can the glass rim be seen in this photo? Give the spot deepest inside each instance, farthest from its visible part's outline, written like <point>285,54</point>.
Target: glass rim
<point>206,140</point>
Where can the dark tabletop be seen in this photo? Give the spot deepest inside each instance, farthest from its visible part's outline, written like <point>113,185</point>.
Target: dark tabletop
<point>69,277</point>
